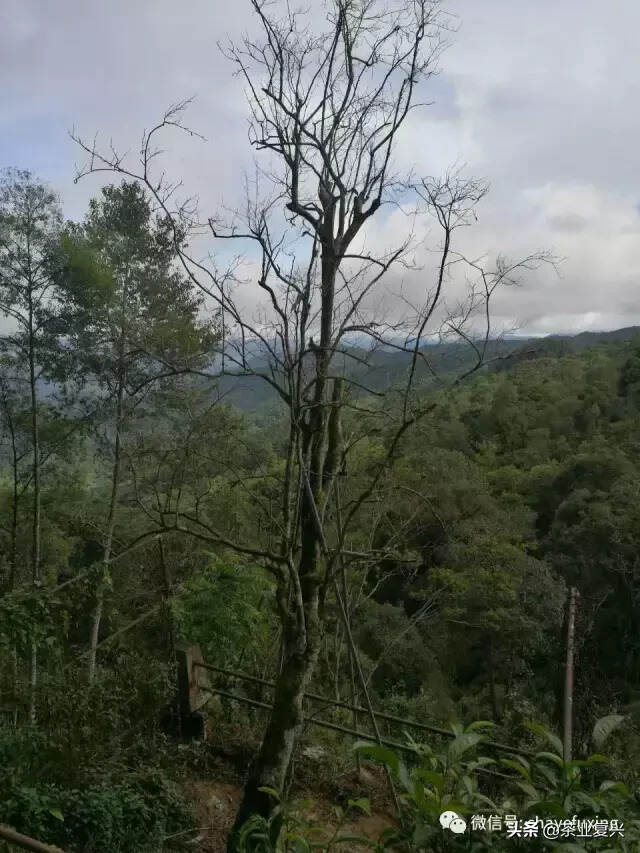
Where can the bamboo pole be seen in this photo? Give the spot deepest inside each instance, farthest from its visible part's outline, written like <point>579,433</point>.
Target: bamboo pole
<point>27,843</point>
<point>412,724</point>
<point>325,724</point>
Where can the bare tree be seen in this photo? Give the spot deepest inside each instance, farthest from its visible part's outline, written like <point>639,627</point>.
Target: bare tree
<point>327,108</point>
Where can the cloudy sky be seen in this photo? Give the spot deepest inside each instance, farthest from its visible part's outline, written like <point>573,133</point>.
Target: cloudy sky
<point>541,99</point>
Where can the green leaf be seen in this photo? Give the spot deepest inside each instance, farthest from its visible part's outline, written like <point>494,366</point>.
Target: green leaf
<point>57,814</point>
<point>403,776</point>
<point>478,725</point>
<point>582,798</point>
<point>468,784</point>
<point>529,790</point>
<point>419,794</point>
<point>515,765</point>
<point>480,798</point>
<point>275,828</point>
<point>554,740</point>
<point>551,756</point>
<point>430,776</point>
<point>297,844</point>
<point>548,774</point>
<point>597,758</point>
<point>378,753</point>
<point>362,803</point>
<point>463,743</point>
<point>604,727</point>
<point>547,807</point>
<point>573,765</point>
<point>449,802</point>
<point>484,760</point>
<point>618,787</point>
<point>271,791</point>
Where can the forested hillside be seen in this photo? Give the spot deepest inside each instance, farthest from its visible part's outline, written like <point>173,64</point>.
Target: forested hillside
<point>519,483</point>
<point>302,546</point>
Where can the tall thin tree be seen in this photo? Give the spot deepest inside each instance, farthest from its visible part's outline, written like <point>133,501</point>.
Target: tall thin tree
<point>128,310</point>
<point>30,222</point>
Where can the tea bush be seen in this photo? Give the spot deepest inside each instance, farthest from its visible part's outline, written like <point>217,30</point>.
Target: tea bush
<point>132,816</point>
<point>459,776</point>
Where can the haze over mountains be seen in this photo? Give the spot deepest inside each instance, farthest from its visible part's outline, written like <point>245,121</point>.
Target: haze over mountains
<point>386,367</point>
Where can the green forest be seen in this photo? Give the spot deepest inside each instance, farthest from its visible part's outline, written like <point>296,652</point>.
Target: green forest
<point>301,575</point>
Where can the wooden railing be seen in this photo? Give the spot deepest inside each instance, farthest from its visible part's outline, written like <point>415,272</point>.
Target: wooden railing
<point>195,691</point>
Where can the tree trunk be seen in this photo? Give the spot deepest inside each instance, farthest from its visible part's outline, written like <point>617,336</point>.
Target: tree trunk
<point>495,710</point>
<point>14,682</point>
<point>170,630</point>
<point>271,765</point>
<point>15,501</point>
<point>35,541</point>
<point>167,594</point>
<point>567,728</point>
<point>347,611</point>
<point>352,673</point>
<point>108,544</point>
<point>13,546</point>
<point>301,618</point>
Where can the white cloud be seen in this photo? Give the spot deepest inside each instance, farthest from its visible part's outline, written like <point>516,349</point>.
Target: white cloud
<point>539,98</point>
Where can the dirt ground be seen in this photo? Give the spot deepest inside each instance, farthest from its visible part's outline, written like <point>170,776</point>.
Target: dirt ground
<point>217,800</point>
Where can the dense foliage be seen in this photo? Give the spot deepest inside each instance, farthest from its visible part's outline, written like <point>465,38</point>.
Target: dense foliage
<point>135,475</point>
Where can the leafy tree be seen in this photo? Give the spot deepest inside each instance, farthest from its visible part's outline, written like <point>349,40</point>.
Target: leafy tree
<point>30,222</point>
<point>133,317</point>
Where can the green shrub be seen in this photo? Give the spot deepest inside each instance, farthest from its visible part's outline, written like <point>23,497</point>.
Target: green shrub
<point>456,776</point>
<point>131,816</point>
<point>228,610</point>
<point>289,831</point>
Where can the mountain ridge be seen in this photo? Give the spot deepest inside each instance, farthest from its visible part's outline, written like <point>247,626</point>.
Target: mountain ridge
<point>386,365</point>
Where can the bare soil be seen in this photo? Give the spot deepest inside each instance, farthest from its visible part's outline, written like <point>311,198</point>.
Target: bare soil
<point>217,799</point>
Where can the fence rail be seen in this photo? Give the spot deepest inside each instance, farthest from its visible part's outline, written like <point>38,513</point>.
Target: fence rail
<point>325,724</point>
<point>25,842</point>
<point>315,697</point>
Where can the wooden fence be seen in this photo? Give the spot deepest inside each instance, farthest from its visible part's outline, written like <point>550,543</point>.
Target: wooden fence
<point>195,691</point>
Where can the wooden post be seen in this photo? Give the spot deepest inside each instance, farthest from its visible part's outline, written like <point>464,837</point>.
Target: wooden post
<point>568,675</point>
<point>190,700</point>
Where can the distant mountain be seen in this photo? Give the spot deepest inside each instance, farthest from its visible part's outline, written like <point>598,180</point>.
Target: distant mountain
<point>386,367</point>
<point>560,345</point>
